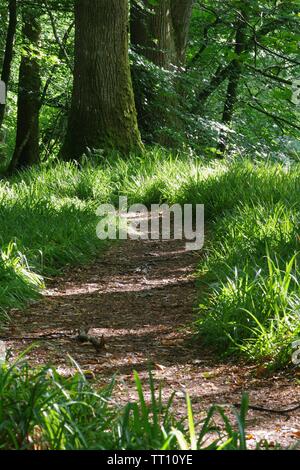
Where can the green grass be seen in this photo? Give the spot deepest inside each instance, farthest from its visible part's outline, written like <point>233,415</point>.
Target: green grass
<point>248,282</point>
<point>252,303</point>
<point>41,410</point>
<point>48,217</point>
<point>18,282</point>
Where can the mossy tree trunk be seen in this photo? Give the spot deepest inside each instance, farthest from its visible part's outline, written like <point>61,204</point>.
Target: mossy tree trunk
<point>27,140</point>
<point>103,114</point>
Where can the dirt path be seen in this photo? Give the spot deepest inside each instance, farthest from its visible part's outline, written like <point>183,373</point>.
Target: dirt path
<point>140,297</point>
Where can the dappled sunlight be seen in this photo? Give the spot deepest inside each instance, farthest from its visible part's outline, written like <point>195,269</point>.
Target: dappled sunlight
<point>139,296</point>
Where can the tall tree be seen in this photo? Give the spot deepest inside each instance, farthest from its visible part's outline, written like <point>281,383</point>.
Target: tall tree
<point>8,53</point>
<point>159,30</point>
<point>235,72</point>
<point>27,140</point>
<point>103,114</point>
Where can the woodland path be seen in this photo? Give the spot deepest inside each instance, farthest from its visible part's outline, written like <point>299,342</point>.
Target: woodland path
<point>140,296</point>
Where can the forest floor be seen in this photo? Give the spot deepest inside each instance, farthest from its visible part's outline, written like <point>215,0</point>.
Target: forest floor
<point>140,296</point>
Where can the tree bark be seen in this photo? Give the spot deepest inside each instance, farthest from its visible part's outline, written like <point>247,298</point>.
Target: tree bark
<point>234,77</point>
<point>181,17</point>
<point>27,140</point>
<point>103,114</point>
<point>9,47</point>
<point>160,32</point>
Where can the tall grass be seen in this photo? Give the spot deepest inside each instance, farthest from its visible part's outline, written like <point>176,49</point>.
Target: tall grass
<point>250,303</point>
<point>41,410</point>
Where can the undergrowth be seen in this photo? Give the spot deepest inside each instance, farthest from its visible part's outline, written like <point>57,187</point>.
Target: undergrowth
<point>250,304</point>
<point>42,410</point>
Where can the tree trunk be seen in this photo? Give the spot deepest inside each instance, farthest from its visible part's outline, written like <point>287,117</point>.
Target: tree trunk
<point>160,32</point>
<point>234,77</point>
<point>27,140</point>
<point>9,46</point>
<point>181,17</point>
<point>103,114</point>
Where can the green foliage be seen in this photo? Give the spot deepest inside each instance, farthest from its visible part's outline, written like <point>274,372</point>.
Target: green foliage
<point>18,283</point>
<point>49,215</point>
<point>233,440</point>
<point>180,107</point>
<point>146,425</point>
<point>183,107</point>
<point>42,410</point>
<point>249,285</point>
<point>252,302</point>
